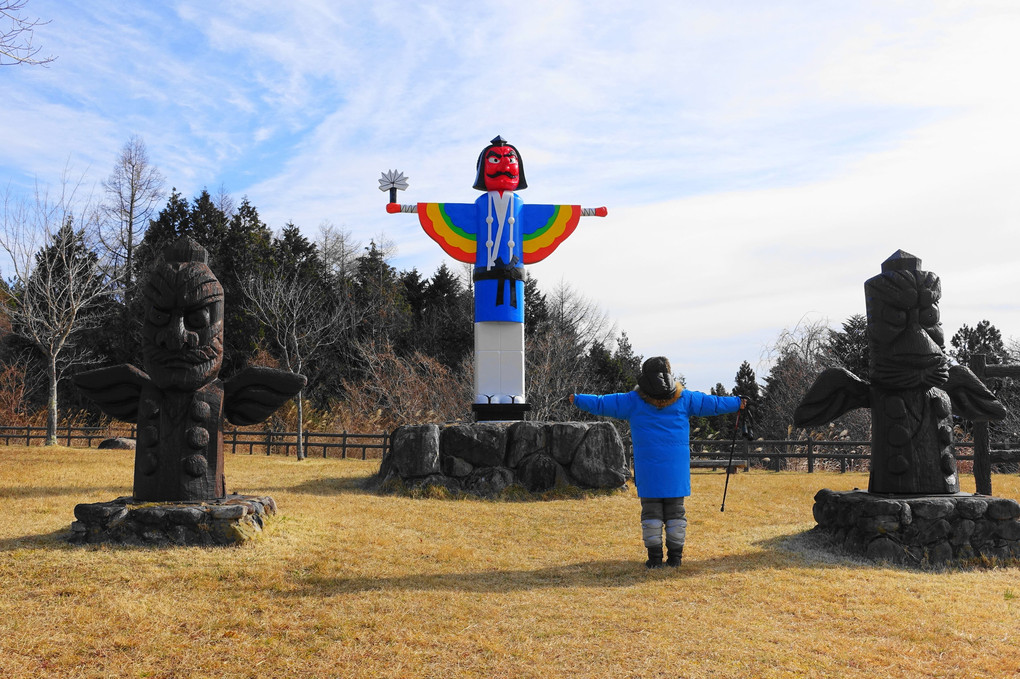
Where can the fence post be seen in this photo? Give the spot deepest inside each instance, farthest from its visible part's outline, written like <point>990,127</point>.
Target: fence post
<point>810,457</point>
<point>269,442</point>
<point>343,446</point>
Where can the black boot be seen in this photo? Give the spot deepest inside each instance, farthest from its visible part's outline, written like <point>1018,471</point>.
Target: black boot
<point>676,555</point>
<point>654,557</point>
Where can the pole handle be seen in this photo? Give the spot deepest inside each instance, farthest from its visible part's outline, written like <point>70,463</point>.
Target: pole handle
<point>394,208</point>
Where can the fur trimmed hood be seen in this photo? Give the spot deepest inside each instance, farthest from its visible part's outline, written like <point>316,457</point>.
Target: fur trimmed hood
<point>661,402</point>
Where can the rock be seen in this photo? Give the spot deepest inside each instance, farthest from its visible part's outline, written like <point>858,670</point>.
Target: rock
<point>878,525</point>
<point>190,516</point>
<point>884,549</point>
<point>971,507</point>
<point>178,535</point>
<point>564,439</point>
<point>233,532</point>
<point>931,508</point>
<point>482,444</point>
<point>538,473</point>
<point>934,531</point>
<point>454,466</point>
<point>599,461</point>
<point>1008,530</point>
<point>488,481</point>
<point>118,518</point>
<point>1002,508</point>
<point>965,552</point>
<point>524,439</point>
<point>961,533</point>
<point>149,515</point>
<point>825,495</point>
<point>881,506</point>
<point>227,512</point>
<point>414,451</point>
<point>97,512</point>
<point>118,443</point>
<point>435,480</point>
<point>940,554</point>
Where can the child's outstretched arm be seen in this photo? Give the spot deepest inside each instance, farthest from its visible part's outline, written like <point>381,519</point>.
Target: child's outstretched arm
<point>706,405</point>
<point>610,405</point>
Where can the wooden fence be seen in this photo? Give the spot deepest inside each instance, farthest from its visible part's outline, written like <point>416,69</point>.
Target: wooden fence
<point>849,455</point>
<point>772,454</point>
<point>343,444</point>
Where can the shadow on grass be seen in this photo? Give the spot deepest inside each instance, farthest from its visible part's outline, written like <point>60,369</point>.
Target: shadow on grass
<point>325,487</point>
<point>54,540</point>
<point>27,492</point>
<point>620,573</point>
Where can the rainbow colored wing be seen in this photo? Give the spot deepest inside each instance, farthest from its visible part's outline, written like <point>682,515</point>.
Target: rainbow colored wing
<point>546,226</point>
<point>452,226</point>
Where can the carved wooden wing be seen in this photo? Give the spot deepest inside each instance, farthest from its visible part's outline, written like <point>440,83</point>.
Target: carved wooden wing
<point>970,397</point>
<point>254,394</point>
<point>115,389</point>
<point>835,391</point>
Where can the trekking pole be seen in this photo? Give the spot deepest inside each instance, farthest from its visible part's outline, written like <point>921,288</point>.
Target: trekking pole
<point>729,465</point>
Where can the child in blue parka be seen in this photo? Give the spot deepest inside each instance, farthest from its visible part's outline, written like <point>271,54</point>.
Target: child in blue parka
<point>658,410</point>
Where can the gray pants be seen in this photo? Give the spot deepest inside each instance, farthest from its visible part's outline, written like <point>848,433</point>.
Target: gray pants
<point>657,512</point>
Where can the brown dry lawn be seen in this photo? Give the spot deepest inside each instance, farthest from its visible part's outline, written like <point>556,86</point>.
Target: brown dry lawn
<point>346,583</point>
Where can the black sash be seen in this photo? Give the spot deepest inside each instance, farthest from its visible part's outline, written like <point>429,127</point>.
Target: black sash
<point>502,272</point>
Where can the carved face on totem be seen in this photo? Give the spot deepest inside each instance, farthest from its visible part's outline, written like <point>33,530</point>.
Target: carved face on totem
<point>905,334</point>
<point>183,327</point>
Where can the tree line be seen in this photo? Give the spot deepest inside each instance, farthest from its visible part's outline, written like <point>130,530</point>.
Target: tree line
<point>381,347</point>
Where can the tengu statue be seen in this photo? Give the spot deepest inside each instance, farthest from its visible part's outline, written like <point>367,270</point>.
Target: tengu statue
<point>498,233</point>
<point>913,391</point>
<point>178,402</point>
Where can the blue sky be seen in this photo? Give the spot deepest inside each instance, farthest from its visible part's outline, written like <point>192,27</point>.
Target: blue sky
<point>759,160</point>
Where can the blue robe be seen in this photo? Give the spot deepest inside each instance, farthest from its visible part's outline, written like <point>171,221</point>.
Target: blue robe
<point>542,227</point>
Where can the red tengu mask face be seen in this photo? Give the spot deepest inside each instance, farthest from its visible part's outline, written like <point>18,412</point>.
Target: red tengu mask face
<point>501,169</point>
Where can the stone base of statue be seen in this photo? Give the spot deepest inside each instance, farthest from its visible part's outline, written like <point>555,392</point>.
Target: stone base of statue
<point>486,458</point>
<point>233,520</point>
<point>926,531</point>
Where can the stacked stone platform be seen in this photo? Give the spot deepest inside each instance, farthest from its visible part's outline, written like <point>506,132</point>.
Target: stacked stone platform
<point>959,529</point>
<point>234,520</point>
<point>484,458</point>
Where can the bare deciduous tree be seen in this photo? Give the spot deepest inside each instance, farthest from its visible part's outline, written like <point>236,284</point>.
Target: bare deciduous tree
<point>338,249</point>
<point>16,35</point>
<point>301,317</point>
<point>555,356</point>
<point>57,283</point>
<point>399,390</point>
<point>580,316</point>
<point>133,190</point>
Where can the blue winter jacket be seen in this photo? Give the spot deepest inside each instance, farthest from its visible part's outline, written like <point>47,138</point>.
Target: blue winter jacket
<point>661,435</point>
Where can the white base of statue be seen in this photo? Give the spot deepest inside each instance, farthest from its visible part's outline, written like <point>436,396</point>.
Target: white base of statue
<point>499,362</point>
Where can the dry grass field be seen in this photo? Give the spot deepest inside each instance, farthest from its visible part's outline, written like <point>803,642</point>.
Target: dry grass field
<point>346,583</point>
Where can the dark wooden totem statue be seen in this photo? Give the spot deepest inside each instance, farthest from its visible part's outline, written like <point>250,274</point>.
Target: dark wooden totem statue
<point>913,391</point>
<point>178,402</point>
